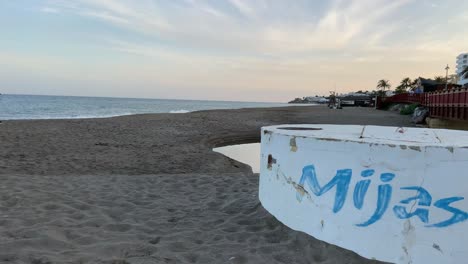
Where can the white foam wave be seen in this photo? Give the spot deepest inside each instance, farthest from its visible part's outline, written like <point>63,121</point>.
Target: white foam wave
<point>181,111</point>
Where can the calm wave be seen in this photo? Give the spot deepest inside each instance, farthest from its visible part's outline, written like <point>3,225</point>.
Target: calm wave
<point>65,107</point>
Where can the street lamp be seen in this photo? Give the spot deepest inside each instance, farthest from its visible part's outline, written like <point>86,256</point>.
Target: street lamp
<point>446,76</point>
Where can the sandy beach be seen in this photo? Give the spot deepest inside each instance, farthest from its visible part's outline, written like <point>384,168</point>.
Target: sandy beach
<point>149,189</point>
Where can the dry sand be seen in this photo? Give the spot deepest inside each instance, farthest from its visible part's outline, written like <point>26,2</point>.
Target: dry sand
<point>148,189</point>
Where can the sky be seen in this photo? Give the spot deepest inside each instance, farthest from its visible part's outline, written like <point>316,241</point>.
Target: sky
<point>237,50</point>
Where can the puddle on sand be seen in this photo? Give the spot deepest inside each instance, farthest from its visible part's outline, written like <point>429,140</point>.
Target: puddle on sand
<point>245,153</point>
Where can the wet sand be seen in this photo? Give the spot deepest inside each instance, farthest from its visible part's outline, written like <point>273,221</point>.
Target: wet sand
<point>149,189</point>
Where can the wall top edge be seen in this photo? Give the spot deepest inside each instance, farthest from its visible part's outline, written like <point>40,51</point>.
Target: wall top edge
<point>409,136</point>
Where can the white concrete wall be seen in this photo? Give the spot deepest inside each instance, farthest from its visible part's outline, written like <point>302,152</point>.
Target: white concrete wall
<point>435,161</point>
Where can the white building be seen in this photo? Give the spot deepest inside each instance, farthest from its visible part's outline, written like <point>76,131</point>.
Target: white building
<point>462,62</point>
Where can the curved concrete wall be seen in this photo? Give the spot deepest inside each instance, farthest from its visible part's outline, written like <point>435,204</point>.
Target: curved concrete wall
<point>387,193</point>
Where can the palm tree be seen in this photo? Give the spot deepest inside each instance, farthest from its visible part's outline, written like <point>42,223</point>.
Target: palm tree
<point>414,84</point>
<point>383,85</point>
<point>405,84</point>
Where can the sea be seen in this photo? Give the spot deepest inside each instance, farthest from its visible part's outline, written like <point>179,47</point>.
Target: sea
<point>14,107</point>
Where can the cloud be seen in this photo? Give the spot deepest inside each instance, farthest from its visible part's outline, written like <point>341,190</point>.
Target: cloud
<point>260,30</point>
<point>267,44</point>
<point>214,12</point>
<point>344,22</point>
<point>243,7</point>
<point>50,10</point>
<point>142,16</point>
<point>106,17</point>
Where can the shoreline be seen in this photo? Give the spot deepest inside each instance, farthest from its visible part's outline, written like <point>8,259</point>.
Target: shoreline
<point>31,107</point>
<point>180,111</point>
<point>149,188</point>
<point>134,98</point>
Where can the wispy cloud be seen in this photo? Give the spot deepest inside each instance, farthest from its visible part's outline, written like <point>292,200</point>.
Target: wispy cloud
<point>144,16</point>
<point>50,10</point>
<point>106,17</point>
<point>273,44</point>
<point>207,26</point>
<point>243,7</point>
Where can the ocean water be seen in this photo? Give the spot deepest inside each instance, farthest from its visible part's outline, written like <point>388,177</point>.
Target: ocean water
<point>66,107</point>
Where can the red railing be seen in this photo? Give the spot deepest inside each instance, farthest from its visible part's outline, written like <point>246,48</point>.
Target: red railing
<point>405,98</point>
<point>447,104</point>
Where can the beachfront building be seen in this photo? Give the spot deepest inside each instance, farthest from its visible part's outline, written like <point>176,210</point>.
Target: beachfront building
<point>356,99</point>
<point>428,85</point>
<point>424,85</point>
<point>462,63</point>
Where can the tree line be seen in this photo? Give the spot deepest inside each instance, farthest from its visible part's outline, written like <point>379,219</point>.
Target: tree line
<point>407,84</point>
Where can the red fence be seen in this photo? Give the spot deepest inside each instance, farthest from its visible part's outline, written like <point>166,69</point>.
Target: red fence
<point>447,104</point>
<point>450,104</point>
<point>405,98</point>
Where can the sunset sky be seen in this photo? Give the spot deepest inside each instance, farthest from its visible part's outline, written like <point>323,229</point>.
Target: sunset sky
<point>247,50</point>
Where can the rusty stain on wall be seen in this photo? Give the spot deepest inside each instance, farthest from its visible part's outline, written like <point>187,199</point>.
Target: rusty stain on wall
<point>292,144</point>
<point>271,161</point>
